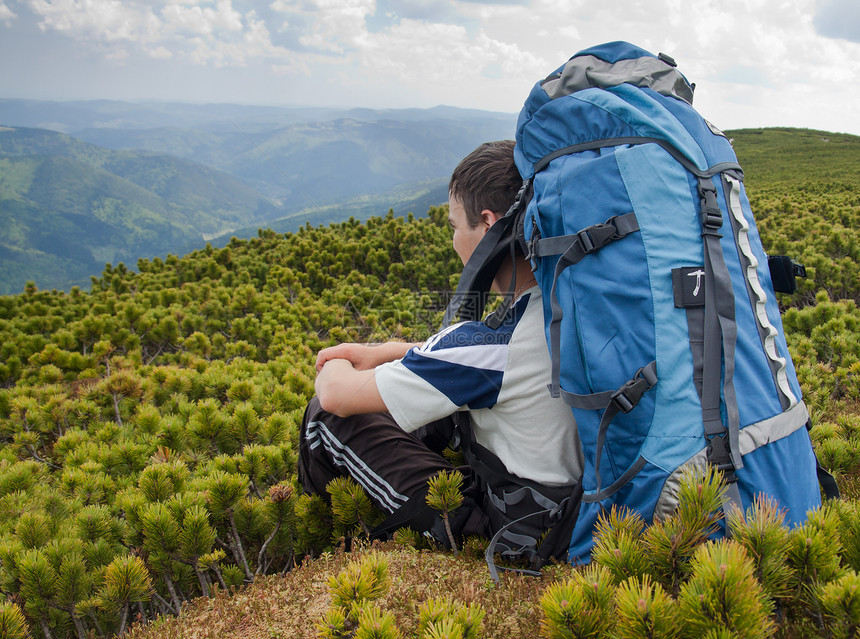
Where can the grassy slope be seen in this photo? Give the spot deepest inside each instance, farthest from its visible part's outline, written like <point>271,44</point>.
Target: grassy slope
<point>798,165</point>
<point>288,605</point>
<point>794,159</point>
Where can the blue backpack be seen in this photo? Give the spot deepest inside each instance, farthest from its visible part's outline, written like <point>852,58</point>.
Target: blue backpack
<point>661,318</point>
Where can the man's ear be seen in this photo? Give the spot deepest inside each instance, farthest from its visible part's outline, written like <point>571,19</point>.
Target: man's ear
<point>488,218</point>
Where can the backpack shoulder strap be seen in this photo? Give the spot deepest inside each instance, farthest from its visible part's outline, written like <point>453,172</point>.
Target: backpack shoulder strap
<point>472,292</point>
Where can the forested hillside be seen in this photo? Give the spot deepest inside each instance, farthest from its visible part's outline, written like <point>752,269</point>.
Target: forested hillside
<point>149,437</point>
<point>315,163</point>
<point>68,207</point>
<point>107,182</point>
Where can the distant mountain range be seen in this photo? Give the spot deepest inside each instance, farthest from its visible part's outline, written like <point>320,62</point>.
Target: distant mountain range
<point>85,183</point>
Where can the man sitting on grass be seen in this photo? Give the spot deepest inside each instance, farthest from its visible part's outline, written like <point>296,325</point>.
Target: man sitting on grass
<point>384,412</point>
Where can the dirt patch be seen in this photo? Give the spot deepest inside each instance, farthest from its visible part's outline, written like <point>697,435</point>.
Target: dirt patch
<point>290,605</point>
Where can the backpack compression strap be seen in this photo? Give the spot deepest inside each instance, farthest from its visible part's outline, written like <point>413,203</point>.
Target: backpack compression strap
<point>573,249</point>
<point>720,337</point>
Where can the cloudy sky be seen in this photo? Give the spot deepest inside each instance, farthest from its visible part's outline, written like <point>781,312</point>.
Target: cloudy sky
<point>756,62</point>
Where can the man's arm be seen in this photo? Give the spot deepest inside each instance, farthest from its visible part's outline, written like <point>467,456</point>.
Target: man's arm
<point>344,390</point>
<point>364,356</point>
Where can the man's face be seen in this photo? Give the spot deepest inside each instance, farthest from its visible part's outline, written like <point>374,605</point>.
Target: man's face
<point>466,238</point>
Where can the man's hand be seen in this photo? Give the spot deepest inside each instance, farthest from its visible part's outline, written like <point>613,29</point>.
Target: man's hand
<point>363,356</point>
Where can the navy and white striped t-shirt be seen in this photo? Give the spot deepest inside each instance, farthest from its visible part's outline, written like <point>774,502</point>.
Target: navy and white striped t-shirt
<point>500,376</point>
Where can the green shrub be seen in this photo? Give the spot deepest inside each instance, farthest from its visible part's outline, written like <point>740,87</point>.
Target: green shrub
<point>580,607</point>
<point>723,594</point>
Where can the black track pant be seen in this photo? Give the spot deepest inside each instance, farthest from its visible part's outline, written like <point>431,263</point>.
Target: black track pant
<point>390,464</point>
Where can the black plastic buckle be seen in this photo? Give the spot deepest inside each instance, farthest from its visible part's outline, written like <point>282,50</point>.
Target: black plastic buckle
<point>718,455</point>
<point>585,241</point>
<point>712,220</point>
<point>596,236</point>
<point>712,217</point>
<point>621,401</point>
<point>718,448</point>
<point>610,223</point>
<point>626,397</point>
<point>729,476</point>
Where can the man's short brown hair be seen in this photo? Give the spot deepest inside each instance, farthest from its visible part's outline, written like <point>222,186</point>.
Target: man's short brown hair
<point>487,178</point>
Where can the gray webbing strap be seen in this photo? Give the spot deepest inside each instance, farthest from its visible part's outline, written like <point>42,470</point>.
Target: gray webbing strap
<point>576,247</point>
<point>720,337</point>
<point>585,242</point>
<point>622,224</point>
<point>696,327</point>
<point>495,543</point>
<point>611,403</point>
<point>623,400</point>
<point>515,497</point>
<point>682,159</point>
<point>733,498</point>
<point>592,401</point>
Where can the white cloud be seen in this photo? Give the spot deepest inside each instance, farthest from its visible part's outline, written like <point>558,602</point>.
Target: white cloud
<point>202,20</point>
<point>203,32</point>
<point>340,25</point>
<point>248,40</point>
<point>104,20</point>
<point>160,53</point>
<point>420,51</point>
<point>6,14</point>
<point>758,61</point>
<point>251,43</point>
<point>432,57</point>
